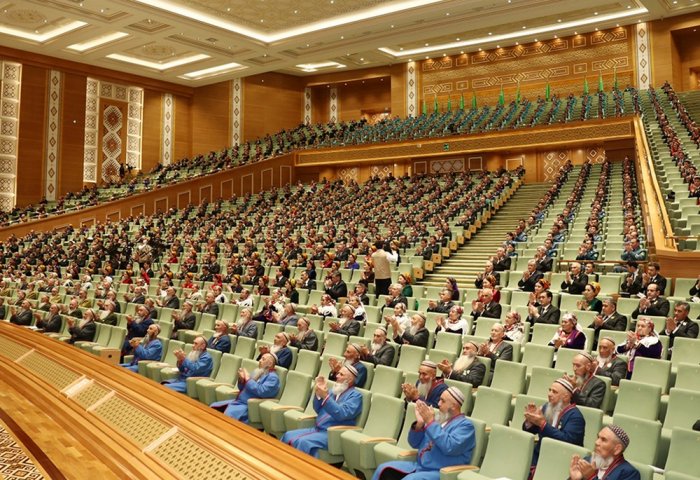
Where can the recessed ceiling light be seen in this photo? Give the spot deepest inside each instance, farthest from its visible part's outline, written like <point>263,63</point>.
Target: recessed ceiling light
<point>490,33</point>
<point>342,37</point>
<point>498,46</point>
<point>447,14</point>
<point>362,59</point>
<point>524,27</point>
<point>559,20</point>
<point>517,43</point>
<point>401,49</point>
<point>296,11</point>
<point>457,39</point>
<point>427,44</point>
<point>427,57</point>
<point>595,13</point>
<point>462,52</point>
<point>392,26</point>
<point>444,54</point>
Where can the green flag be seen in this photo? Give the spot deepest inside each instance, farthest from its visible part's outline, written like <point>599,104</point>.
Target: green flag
<point>547,93</point>
<point>600,81</point>
<point>517,94</point>
<point>585,86</point>
<point>502,97</point>
<point>461,102</point>
<point>436,104</point>
<point>474,106</point>
<point>425,107</point>
<point>449,103</point>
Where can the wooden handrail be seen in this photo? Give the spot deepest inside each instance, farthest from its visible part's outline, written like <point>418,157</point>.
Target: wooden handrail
<point>252,453</point>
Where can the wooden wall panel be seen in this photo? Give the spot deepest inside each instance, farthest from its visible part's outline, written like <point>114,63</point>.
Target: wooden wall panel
<point>674,51</point>
<point>70,170</point>
<point>398,89</point>
<point>271,102</point>
<point>182,137</point>
<point>152,130</point>
<point>211,118</point>
<point>32,140</point>
<point>364,96</point>
<point>320,104</point>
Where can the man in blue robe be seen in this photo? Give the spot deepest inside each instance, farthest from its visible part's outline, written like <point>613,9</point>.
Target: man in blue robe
<point>136,327</point>
<point>352,357</point>
<point>262,383</point>
<point>608,460</point>
<point>280,349</point>
<point>442,440</point>
<point>339,406</point>
<point>197,363</point>
<point>558,419</point>
<point>428,388</point>
<point>150,348</point>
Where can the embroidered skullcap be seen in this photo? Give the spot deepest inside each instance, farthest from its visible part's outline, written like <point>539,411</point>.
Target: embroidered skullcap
<point>457,394</point>
<point>587,355</point>
<point>286,336</point>
<point>274,356</point>
<point>566,384</point>
<point>476,345</point>
<point>429,364</point>
<point>357,347</point>
<point>352,370</point>
<point>620,434</point>
<point>609,339</point>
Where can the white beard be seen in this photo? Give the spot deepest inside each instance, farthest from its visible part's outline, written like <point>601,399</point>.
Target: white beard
<point>601,462</point>
<point>413,330</point>
<point>83,323</point>
<point>194,355</point>
<point>241,323</point>
<point>138,319</point>
<point>275,348</point>
<point>339,388</point>
<point>257,373</point>
<point>580,380</point>
<point>464,362</point>
<point>602,361</point>
<point>553,411</point>
<point>441,417</point>
<point>423,389</point>
<point>375,347</point>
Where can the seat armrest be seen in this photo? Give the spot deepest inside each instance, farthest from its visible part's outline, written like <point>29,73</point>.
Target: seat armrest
<point>408,453</point>
<point>379,440</point>
<point>286,408</point>
<point>335,445</point>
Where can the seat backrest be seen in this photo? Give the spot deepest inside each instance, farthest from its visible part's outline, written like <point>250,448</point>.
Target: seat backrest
<point>638,400</point>
<point>519,446</point>
<point>366,403</point>
<point>308,362</point>
<point>685,350</point>
<point>387,381</point>
<point>410,358</point>
<point>385,416</point>
<point>537,356</point>
<point>335,344</point>
<point>216,361</point>
<point>555,458</point>
<point>245,347</point>
<point>492,406</point>
<point>170,354</point>
<point>683,453</point>
<point>448,342</point>
<point>409,418</point>
<point>644,438</point>
<point>542,333</point>
<point>509,376</point>
<point>116,339</point>
<point>297,389</point>
<point>228,368</point>
<point>652,371</point>
<point>688,376</point>
<point>481,440</point>
<point>521,401</point>
<point>594,422</point>
<point>682,408</point>
<point>541,379</point>
<point>565,357</point>
<point>272,329</point>
<point>104,334</point>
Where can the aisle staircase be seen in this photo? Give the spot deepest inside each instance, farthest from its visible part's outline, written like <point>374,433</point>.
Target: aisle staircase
<point>468,261</point>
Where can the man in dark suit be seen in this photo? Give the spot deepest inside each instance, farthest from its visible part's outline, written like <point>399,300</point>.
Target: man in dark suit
<point>336,287</point>
<point>306,283</point>
<point>394,297</point>
<point>486,307</point>
<point>53,322</point>
<point>501,262</point>
<point>680,325</point>
<point>653,276</point>
<point>24,316</point>
<point>380,351</point>
<point>530,277</point>
<point>544,262</point>
<point>416,335</point>
<point>444,305</point>
<point>467,368</point>
<point>632,284</point>
<point>82,330</point>
<point>590,390</point>
<point>609,364</point>
<point>575,281</point>
<point>609,319</point>
<point>653,304</point>
<point>496,348</point>
<point>170,300</point>
<point>546,312</point>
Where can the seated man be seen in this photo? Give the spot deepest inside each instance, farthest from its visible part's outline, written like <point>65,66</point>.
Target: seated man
<point>680,325</point>
<point>146,348</point>
<point>416,335</point>
<point>245,326</point>
<point>220,341</point>
<point>24,316</point>
<point>530,277</point>
<point>608,460</point>
<point>336,287</point>
<point>280,349</point>
<point>197,363</point>
<point>53,321</point>
<point>380,352</point>
<point>262,383</point>
<point>352,356</point>
<point>558,418</point>
<point>653,304</point>
<point>347,324</point>
<point>442,440</point>
<point>136,327</point>
<point>445,303</point>
<point>467,368</point>
<point>339,406</point>
<point>485,306</point>
<point>83,331</point>
<point>545,312</point>
<point>590,390</point>
<point>632,284</point>
<point>183,320</point>
<point>496,348</point>
<point>394,297</point>
<point>210,305</point>
<point>305,338</point>
<point>575,281</point>
<point>608,319</point>
<point>609,365</point>
<point>428,387</point>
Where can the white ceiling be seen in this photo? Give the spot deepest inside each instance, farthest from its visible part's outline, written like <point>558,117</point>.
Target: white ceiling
<point>199,42</point>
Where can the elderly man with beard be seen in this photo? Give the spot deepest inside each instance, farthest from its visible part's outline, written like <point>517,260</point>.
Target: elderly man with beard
<point>220,341</point>
<point>608,460</point>
<point>428,387</point>
<point>609,364</point>
<point>467,368</point>
<point>24,316</point>
<point>280,349</point>
<point>83,331</point>
<point>558,418</point>
<point>590,390</point>
<point>170,300</point>
<point>53,322</point>
<point>245,299</point>
<point>245,326</point>
<point>305,338</point>
<point>352,356</point>
<point>416,335</point>
<point>496,348</point>
<point>380,352</point>
<point>442,440</point>
<point>185,319</point>
<point>136,326</point>
<point>148,348</point>
<point>338,406</point>
<point>263,382</point>
<point>347,325</point>
<point>197,363</point>
<point>394,297</point>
